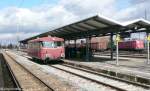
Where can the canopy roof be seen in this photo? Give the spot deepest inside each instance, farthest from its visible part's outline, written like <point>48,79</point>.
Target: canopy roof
<point>93,26</point>
<point>138,22</point>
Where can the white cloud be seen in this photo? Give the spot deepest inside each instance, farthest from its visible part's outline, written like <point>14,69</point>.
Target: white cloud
<point>47,17</point>
<point>137,10</point>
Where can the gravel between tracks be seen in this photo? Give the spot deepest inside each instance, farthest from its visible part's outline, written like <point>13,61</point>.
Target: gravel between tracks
<point>84,84</point>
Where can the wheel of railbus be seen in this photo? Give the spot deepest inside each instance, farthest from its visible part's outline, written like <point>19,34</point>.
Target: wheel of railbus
<point>46,60</point>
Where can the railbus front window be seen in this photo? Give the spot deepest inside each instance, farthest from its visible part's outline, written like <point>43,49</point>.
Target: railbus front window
<point>52,44</point>
<point>48,44</point>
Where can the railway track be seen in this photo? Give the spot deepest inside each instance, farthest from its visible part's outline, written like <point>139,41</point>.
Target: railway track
<point>36,81</point>
<point>108,81</point>
<point>105,75</point>
<point>15,81</point>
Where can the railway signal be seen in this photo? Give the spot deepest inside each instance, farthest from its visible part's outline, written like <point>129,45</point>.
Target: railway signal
<point>117,51</point>
<point>148,41</point>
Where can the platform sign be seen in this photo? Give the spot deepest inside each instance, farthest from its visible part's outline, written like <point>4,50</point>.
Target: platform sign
<point>117,38</point>
<point>117,51</point>
<point>148,38</point>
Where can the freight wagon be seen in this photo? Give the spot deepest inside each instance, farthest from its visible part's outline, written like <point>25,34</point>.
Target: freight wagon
<point>131,45</point>
<point>103,44</point>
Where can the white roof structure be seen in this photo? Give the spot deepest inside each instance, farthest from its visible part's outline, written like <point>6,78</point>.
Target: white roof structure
<point>94,25</point>
<point>136,22</point>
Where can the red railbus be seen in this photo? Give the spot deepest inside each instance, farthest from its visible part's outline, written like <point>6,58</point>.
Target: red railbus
<point>46,48</point>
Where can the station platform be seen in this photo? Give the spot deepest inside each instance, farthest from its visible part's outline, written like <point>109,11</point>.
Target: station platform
<point>136,68</point>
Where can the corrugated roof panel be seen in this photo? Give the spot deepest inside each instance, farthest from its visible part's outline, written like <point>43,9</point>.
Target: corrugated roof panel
<point>87,26</point>
<point>65,31</point>
<point>70,29</point>
<point>79,28</point>
<point>96,23</point>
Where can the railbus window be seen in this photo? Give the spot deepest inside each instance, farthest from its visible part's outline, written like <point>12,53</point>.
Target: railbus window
<point>48,44</point>
<point>52,44</point>
<point>58,43</point>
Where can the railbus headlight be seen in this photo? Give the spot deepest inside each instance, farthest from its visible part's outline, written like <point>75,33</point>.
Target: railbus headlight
<point>62,55</point>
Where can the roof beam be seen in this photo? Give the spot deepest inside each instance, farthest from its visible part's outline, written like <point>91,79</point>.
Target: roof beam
<point>75,28</point>
<point>72,29</point>
<point>82,26</point>
<point>89,24</point>
<point>94,32</point>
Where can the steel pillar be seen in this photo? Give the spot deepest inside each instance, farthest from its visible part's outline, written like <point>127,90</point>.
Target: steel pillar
<point>111,45</point>
<point>69,49</point>
<point>87,49</point>
<point>75,47</point>
<point>117,54</point>
<point>75,43</point>
<point>148,51</point>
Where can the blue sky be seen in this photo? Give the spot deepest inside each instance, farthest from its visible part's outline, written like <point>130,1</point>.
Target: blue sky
<point>25,3</point>
<point>121,4</point>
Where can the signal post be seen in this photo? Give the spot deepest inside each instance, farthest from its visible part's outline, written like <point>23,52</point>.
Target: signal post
<point>148,41</point>
<point>117,49</point>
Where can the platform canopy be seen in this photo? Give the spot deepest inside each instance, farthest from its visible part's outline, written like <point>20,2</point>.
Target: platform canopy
<point>94,26</point>
<point>137,23</point>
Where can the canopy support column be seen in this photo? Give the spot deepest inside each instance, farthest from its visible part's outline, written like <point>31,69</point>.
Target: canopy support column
<point>148,51</point>
<point>69,51</point>
<point>88,49</point>
<point>111,45</point>
<point>75,43</point>
<point>75,48</point>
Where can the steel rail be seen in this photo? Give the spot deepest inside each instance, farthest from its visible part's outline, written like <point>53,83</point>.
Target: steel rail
<point>100,74</point>
<point>90,79</point>
<point>108,76</point>
<point>15,81</point>
<point>51,89</point>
